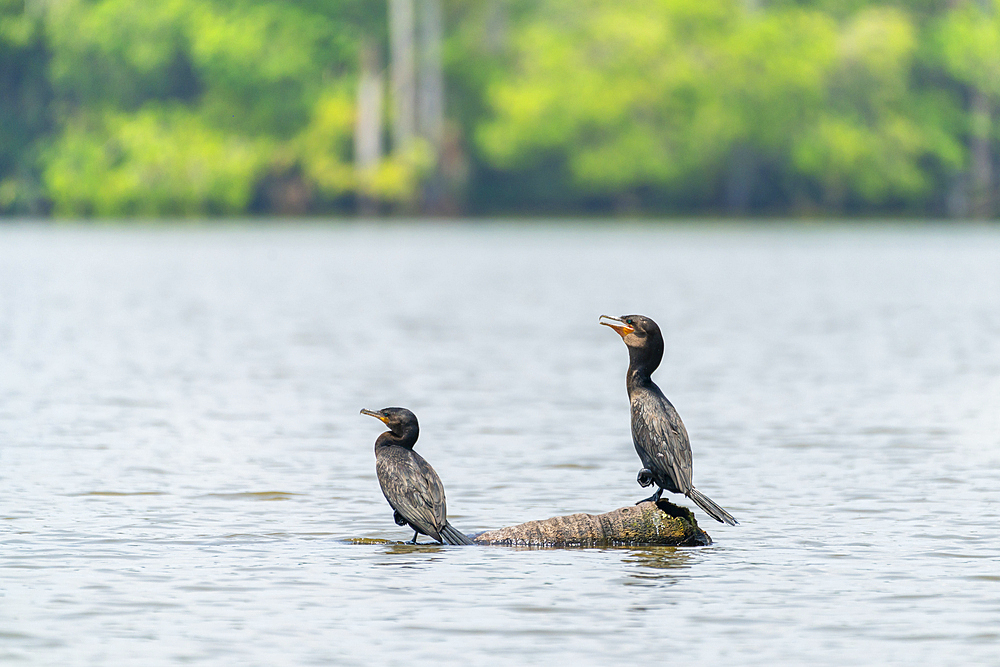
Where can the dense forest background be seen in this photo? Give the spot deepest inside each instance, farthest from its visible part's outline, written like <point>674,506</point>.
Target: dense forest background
<point>709,107</point>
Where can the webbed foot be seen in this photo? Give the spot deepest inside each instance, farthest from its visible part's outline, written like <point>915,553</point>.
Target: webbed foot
<point>645,477</point>
<point>398,518</point>
<point>653,498</point>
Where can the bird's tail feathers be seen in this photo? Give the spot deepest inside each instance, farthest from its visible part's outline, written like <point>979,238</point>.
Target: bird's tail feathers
<point>710,507</point>
<point>452,536</point>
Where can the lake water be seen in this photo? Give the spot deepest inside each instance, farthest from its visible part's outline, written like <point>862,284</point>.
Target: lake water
<point>183,465</point>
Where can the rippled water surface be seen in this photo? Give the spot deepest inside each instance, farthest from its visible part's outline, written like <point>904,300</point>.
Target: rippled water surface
<point>182,462</point>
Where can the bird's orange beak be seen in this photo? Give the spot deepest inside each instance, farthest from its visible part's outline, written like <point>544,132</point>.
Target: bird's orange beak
<point>372,413</point>
<point>618,324</point>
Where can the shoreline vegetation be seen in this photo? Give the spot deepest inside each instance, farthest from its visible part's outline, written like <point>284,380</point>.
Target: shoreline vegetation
<point>447,108</point>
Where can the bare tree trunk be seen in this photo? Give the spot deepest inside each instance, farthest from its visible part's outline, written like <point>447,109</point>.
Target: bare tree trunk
<point>740,179</point>
<point>430,77</point>
<point>497,27</point>
<point>982,157</point>
<point>430,97</point>
<point>368,124</point>
<point>646,524</point>
<point>403,73</point>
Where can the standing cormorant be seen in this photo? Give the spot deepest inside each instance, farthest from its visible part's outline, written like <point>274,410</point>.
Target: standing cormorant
<point>409,482</point>
<point>658,433</point>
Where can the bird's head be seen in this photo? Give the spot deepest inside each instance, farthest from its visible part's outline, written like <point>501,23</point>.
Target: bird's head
<point>399,420</point>
<point>635,330</point>
<point>642,337</point>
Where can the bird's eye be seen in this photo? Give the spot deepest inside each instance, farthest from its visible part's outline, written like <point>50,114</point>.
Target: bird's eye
<point>629,322</point>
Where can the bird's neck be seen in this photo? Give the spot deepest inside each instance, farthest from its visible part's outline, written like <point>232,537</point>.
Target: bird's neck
<point>642,361</point>
<point>638,378</point>
<point>389,439</point>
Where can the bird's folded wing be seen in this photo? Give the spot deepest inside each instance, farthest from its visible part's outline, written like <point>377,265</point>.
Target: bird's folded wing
<point>661,433</point>
<point>426,498</point>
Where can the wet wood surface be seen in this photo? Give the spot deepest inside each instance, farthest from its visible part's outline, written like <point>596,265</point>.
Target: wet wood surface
<point>645,524</point>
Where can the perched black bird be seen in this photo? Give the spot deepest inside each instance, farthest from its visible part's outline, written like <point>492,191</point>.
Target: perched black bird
<point>409,482</point>
<point>658,433</point>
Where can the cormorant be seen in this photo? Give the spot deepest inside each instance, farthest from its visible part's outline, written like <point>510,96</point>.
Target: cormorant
<point>408,482</point>
<point>658,433</point>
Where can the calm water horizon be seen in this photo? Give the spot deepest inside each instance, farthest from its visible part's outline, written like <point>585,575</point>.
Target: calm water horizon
<point>183,466</point>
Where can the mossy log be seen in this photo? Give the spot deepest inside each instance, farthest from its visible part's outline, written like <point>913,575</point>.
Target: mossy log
<point>645,524</point>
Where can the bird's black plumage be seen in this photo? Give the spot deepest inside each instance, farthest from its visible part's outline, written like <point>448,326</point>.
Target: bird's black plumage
<point>658,433</point>
<point>408,482</point>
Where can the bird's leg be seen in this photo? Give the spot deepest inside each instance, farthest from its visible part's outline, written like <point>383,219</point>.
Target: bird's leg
<point>645,477</point>
<point>414,540</point>
<point>398,518</point>
<point>653,498</point>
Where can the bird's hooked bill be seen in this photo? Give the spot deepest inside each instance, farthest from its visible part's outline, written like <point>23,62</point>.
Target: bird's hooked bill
<point>372,413</point>
<point>618,324</point>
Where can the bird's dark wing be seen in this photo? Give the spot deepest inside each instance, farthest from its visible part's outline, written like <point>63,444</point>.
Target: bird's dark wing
<point>414,489</point>
<point>658,431</point>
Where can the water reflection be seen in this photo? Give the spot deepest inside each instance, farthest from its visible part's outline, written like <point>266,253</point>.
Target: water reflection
<point>253,495</point>
<point>658,562</point>
<point>114,494</point>
<point>403,548</point>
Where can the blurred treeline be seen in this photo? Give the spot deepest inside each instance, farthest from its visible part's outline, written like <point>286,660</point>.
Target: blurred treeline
<point>767,107</point>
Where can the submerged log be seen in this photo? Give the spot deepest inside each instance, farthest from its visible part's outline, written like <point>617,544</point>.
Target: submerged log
<point>645,524</point>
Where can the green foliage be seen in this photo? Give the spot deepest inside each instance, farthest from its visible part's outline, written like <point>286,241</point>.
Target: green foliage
<point>322,151</point>
<point>158,161</point>
<point>660,93</point>
<point>772,74</point>
<point>185,107</point>
<point>875,138</point>
<point>619,87</point>
<point>969,43</point>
